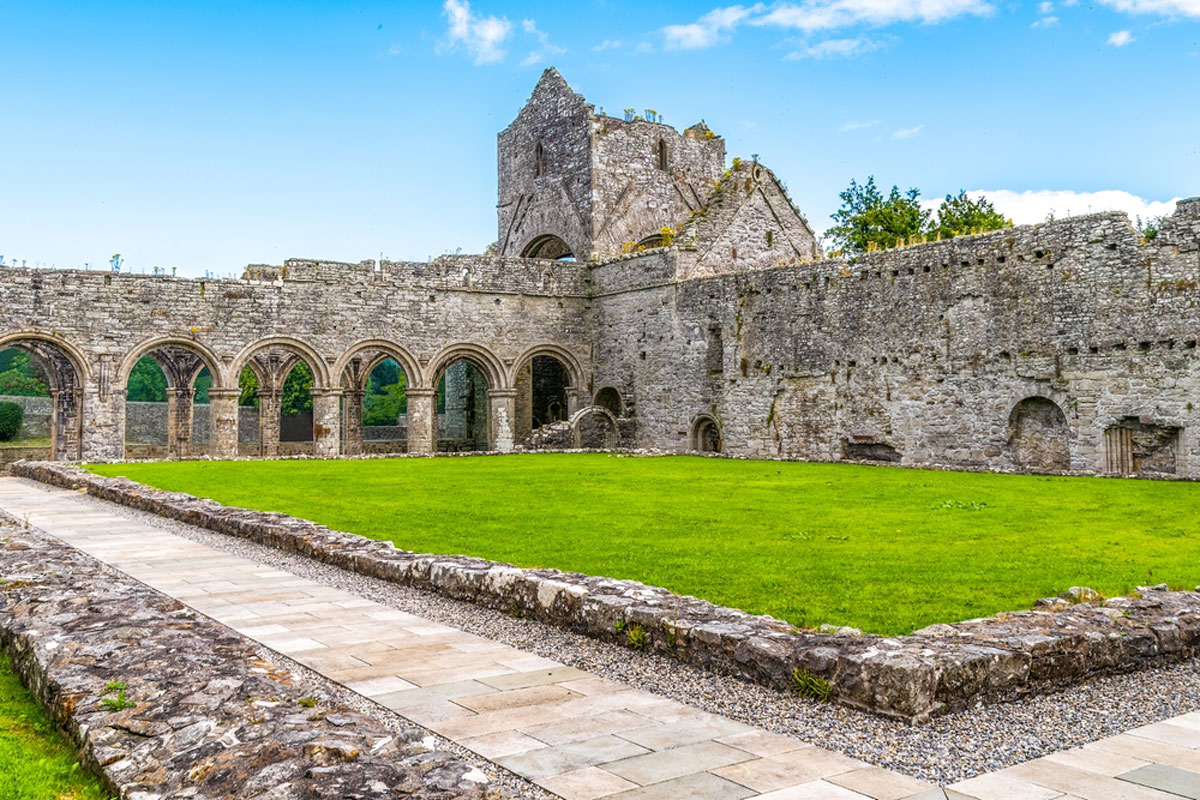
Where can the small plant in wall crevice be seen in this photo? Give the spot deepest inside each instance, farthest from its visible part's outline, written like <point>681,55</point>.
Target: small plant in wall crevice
<point>807,683</point>
<point>637,637</point>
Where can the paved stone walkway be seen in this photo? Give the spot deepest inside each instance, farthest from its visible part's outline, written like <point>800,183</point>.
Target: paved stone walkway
<point>576,734</point>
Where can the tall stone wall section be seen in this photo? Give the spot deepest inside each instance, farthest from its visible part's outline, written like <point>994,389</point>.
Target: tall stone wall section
<point>922,355</point>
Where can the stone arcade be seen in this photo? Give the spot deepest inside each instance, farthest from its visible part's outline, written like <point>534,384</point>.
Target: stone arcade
<point>642,294</point>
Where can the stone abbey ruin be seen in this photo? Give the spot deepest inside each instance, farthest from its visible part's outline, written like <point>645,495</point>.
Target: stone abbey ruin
<point>643,294</point>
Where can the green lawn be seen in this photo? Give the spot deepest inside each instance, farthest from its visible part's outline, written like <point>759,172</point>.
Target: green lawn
<point>888,550</point>
<point>36,763</point>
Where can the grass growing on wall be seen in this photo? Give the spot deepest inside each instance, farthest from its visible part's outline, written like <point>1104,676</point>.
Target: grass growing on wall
<point>888,550</point>
<point>36,763</point>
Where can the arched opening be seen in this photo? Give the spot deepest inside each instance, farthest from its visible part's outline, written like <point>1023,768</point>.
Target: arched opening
<point>1039,437</point>
<point>610,399</point>
<point>706,435</point>
<point>296,410</point>
<point>539,160</point>
<point>541,385</point>
<point>24,383</point>
<point>384,410</point>
<point>461,408</point>
<point>595,428</point>
<point>249,422</point>
<point>147,412</point>
<point>161,411</point>
<point>549,247</point>
<point>660,155</point>
<point>32,361</point>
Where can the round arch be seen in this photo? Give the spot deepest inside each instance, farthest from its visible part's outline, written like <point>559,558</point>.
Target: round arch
<point>705,435</point>
<point>549,247</point>
<point>73,353</point>
<point>1039,434</point>
<point>608,397</point>
<point>611,431</point>
<point>568,359</point>
<point>145,348</point>
<point>483,359</point>
<point>386,349</point>
<point>318,365</point>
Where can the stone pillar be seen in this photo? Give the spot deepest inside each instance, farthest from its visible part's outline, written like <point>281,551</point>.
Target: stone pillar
<point>179,422</point>
<point>573,403</point>
<point>522,419</point>
<point>352,425</point>
<point>326,422</point>
<point>268,423</point>
<point>502,405</point>
<point>223,422</point>
<point>103,432</point>
<point>420,421</point>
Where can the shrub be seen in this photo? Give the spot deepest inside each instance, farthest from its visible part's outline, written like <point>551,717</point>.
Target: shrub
<point>11,418</point>
<point>806,683</point>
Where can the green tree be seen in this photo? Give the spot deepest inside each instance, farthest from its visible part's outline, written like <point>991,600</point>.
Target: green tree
<point>297,390</point>
<point>248,384</point>
<point>147,383</point>
<point>19,375</point>
<point>202,384</point>
<point>962,215</point>
<point>869,220</point>
<point>385,398</point>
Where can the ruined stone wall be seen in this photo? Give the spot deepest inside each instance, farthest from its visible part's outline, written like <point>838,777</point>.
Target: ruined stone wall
<point>37,414</point>
<point>923,354</point>
<point>491,310</point>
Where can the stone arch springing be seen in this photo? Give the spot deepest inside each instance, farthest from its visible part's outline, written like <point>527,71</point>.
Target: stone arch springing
<point>1039,437</point>
<point>610,399</point>
<point>595,428</point>
<point>65,371</point>
<point>296,417</point>
<point>159,378</point>
<point>548,246</point>
<point>375,377</point>
<point>706,435</point>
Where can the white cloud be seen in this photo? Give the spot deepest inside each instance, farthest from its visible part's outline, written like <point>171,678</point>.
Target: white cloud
<point>857,126</point>
<point>709,29</point>
<point>1045,22</point>
<point>1045,7</point>
<point>1030,207</point>
<point>481,36</point>
<point>1168,8</point>
<point>1120,38</point>
<point>644,47</point>
<point>835,48</point>
<point>544,49</point>
<point>608,44</point>
<point>829,14</point>
<point>907,133</point>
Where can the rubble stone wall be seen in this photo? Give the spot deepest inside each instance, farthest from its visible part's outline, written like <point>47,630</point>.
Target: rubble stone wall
<point>207,717</point>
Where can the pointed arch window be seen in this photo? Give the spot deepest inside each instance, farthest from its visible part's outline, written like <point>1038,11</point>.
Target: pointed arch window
<point>661,155</point>
<point>539,161</point>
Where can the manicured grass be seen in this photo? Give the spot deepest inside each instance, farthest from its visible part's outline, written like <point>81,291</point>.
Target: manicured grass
<point>888,550</point>
<point>36,763</point>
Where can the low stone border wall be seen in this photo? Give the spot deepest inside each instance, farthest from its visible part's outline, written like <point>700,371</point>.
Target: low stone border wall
<point>201,714</point>
<point>942,668</point>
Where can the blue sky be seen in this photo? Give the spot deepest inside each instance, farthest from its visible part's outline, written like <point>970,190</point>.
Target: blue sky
<point>211,135</point>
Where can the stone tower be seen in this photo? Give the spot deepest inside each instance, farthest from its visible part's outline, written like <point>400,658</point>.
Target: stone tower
<point>573,183</point>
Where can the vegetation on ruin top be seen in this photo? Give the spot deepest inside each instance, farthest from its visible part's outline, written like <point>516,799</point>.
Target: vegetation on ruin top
<point>36,763</point>
<point>885,549</point>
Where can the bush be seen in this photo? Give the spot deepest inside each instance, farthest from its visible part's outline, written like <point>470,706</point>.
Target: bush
<point>11,418</point>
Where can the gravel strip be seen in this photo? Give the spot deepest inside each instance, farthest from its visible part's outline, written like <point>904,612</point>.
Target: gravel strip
<point>949,749</point>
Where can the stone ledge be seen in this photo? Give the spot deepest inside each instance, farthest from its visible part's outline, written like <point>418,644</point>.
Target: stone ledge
<point>209,718</point>
<point>945,668</point>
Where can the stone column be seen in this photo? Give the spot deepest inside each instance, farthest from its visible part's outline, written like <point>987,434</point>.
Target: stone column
<point>268,423</point>
<point>223,422</point>
<point>420,420</point>
<point>502,409</point>
<point>326,422</point>
<point>352,427</point>
<point>103,434</point>
<point>179,422</point>
<point>573,405</point>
